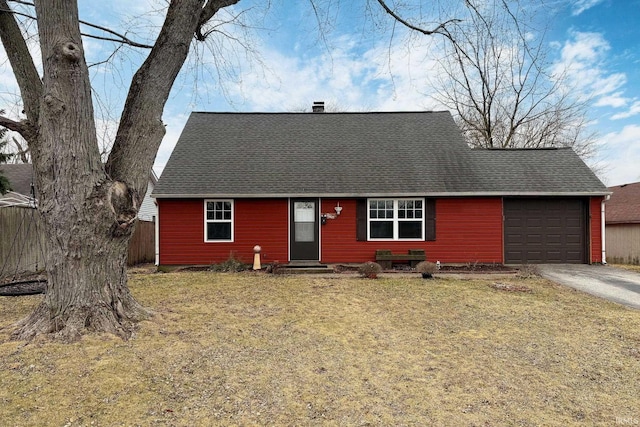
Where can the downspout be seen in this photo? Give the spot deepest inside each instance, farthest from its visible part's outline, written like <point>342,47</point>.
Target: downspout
<point>603,238</point>
<point>157,232</point>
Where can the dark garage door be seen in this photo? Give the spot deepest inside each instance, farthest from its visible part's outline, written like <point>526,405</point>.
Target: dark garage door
<point>540,231</point>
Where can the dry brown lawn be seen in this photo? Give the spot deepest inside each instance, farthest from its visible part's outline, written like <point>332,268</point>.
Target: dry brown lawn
<point>251,349</point>
<point>628,267</point>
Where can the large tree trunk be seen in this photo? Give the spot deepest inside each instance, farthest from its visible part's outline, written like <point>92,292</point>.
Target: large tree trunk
<point>87,278</point>
<point>89,209</point>
<point>88,217</point>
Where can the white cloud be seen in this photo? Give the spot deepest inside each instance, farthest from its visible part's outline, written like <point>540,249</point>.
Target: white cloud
<point>345,78</point>
<point>580,6</point>
<point>620,154</point>
<point>604,85</point>
<point>584,59</point>
<point>615,100</point>
<point>584,47</point>
<point>632,111</point>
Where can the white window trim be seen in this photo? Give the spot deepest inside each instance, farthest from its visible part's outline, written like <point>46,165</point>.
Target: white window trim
<point>206,221</point>
<point>395,220</point>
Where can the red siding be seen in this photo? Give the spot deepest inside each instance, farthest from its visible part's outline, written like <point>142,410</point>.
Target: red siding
<point>467,230</point>
<point>595,229</point>
<point>263,222</point>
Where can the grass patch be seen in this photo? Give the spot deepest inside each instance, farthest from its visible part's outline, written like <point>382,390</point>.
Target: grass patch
<point>254,349</point>
<point>629,267</point>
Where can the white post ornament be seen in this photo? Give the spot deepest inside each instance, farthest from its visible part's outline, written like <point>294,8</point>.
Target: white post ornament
<point>256,257</point>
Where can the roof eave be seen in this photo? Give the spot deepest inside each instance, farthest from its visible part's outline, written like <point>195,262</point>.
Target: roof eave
<point>384,195</point>
<point>623,222</point>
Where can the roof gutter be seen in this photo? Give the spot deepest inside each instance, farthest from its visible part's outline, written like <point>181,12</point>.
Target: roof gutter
<point>382,195</point>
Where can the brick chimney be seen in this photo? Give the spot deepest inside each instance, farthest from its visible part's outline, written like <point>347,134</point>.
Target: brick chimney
<point>318,107</point>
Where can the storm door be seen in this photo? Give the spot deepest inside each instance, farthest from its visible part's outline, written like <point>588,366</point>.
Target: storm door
<point>305,230</point>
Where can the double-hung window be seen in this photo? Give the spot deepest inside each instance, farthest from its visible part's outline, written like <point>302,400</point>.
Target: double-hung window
<point>218,216</point>
<point>395,219</point>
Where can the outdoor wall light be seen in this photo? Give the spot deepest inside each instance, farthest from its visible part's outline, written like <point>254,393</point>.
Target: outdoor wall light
<point>338,209</point>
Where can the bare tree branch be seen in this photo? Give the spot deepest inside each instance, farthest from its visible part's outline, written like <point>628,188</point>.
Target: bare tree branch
<point>22,63</point>
<point>495,78</point>
<point>23,152</point>
<point>478,77</point>
<point>109,58</point>
<point>121,38</point>
<point>26,3</point>
<point>440,29</point>
<point>211,8</point>
<point>215,28</point>
<point>20,127</point>
<point>141,129</point>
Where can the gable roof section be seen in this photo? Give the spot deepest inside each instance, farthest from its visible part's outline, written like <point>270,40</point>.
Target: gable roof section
<point>355,155</point>
<point>548,171</point>
<point>624,205</point>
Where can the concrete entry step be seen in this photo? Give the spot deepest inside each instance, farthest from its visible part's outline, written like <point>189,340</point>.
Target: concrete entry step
<point>304,267</point>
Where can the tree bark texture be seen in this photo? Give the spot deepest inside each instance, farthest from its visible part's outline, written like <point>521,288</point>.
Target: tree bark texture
<point>83,210</point>
<point>89,209</point>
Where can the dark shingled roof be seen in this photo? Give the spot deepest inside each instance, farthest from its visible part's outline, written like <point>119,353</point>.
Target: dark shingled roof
<point>548,171</point>
<point>624,205</point>
<point>19,176</point>
<point>356,154</point>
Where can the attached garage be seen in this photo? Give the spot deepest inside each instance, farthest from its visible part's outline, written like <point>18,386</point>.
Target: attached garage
<point>545,230</point>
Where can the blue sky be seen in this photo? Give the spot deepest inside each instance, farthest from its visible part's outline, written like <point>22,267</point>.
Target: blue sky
<point>357,66</point>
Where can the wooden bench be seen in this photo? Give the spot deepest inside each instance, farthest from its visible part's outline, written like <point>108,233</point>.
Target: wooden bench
<point>385,258</point>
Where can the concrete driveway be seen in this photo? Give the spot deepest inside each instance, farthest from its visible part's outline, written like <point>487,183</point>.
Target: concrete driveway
<point>614,284</point>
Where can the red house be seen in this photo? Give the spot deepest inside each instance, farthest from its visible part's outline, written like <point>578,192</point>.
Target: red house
<point>336,187</point>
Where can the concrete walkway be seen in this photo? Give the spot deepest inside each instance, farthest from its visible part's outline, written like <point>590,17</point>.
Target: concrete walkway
<point>615,284</point>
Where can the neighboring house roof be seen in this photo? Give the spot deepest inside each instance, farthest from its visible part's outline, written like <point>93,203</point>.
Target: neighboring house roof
<point>20,177</point>
<point>356,154</point>
<point>624,205</point>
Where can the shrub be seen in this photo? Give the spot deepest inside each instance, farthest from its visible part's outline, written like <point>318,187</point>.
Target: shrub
<point>528,271</point>
<point>427,269</point>
<point>166,268</point>
<point>274,268</point>
<point>370,270</point>
<point>231,265</point>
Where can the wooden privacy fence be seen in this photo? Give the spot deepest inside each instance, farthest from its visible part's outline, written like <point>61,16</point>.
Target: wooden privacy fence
<point>623,243</point>
<point>22,241</point>
<point>142,246</point>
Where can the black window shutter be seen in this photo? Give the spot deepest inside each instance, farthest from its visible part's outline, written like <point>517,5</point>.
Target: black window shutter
<point>430,223</point>
<point>361,220</point>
